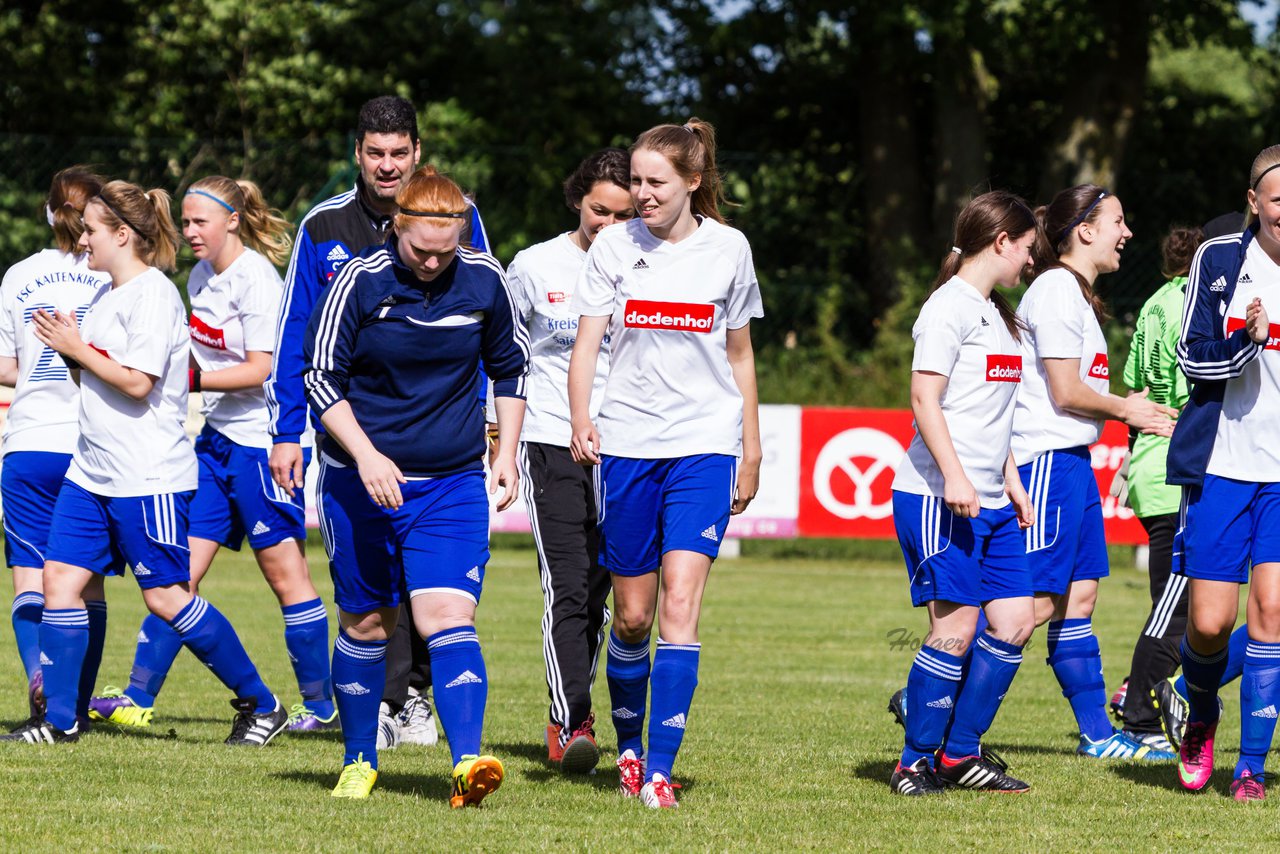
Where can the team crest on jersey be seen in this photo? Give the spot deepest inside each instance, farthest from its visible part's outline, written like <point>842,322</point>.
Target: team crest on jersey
<point>1004,369</point>
<point>207,335</point>
<point>671,316</point>
<point>1099,370</point>
<point>1273,337</point>
<point>557,296</point>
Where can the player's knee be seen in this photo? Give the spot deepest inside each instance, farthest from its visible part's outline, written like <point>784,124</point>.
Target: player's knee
<point>372,626</point>
<point>632,625</point>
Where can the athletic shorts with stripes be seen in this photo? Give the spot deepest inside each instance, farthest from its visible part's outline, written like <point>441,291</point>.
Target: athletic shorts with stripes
<point>1067,542</point>
<point>1227,527</point>
<point>966,561</point>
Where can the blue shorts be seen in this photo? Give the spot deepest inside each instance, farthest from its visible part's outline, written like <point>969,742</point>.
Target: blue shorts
<point>436,542</point>
<point>1226,527</point>
<point>966,561</point>
<point>237,496</point>
<point>29,484</point>
<point>1067,542</point>
<point>650,507</point>
<point>102,534</point>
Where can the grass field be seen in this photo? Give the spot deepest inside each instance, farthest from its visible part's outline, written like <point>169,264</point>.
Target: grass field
<point>789,745</point>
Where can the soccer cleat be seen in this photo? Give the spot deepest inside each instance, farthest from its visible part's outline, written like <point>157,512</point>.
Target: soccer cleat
<point>1173,710</point>
<point>116,707</point>
<point>630,774</point>
<point>40,731</point>
<point>915,779</point>
<point>254,730</point>
<point>1195,756</point>
<point>302,719</point>
<point>1154,740</point>
<point>1117,700</point>
<point>35,694</point>
<point>1118,745</point>
<point>555,751</point>
<point>474,778</point>
<point>388,728</point>
<point>985,773</point>
<point>898,707</point>
<point>658,794</point>
<point>1249,787</point>
<point>581,754</point>
<point>417,724</point>
<point>356,781</point>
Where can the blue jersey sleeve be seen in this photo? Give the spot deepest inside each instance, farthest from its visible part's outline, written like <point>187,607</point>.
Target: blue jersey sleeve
<point>286,399</point>
<point>1204,353</point>
<point>330,341</point>
<point>504,345</point>
<point>480,240</point>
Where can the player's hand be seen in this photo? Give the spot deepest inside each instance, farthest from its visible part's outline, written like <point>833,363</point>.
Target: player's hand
<point>1022,505</point>
<point>1256,322</point>
<point>57,331</point>
<point>1147,416</point>
<point>747,487</point>
<point>961,498</point>
<point>381,479</point>
<point>286,465</point>
<point>585,444</point>
<point>504,473</point>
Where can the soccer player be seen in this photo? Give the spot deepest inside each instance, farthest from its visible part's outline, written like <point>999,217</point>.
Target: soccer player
<point>675,289</point>
<point>959,506</point>
<point>41,428</point>
<point>336,230</point>
<point>557,490</point>
<point>127,491</point>
<point>1060,409</point>
<point>235,295</point>
<point>1223,457</point>
<point>394,351</point>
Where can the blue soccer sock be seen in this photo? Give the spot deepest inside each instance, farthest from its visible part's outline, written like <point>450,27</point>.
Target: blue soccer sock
<point>208,634</point>
<point>1076,660</point>
<point>97,609</point>
<point>27,609</point>
<point>1235,660</point>
<point>461,688</point>
<point>158,647</point>
<point>671,687</point>
<point>359,673</point>
<point>992,664</point>
<point>306,637</point>
<point>1259,705</point>
<point>64,638</point>
<point>627,672</point>
<point>932,685</point>
<point>1203,677</point>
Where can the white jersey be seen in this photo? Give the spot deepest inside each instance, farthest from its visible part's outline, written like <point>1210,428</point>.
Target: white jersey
<point>136,447</point>
<point>232,313</point>
<point>962,336</point>
<point>1060,325</point>
<point>670,391</point>
<point>45,412</point>
<point>542,279</point>
<point>1242,448</point>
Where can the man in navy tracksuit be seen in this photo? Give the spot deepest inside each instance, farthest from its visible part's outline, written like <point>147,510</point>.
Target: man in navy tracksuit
<point>332,233</point>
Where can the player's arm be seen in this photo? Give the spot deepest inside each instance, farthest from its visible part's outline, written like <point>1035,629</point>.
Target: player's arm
<point>504,352</point>
<point>1071,393</point>
<point>251,373</point>
<point>585,443</point>
<point>742,362</point>
<point>8,342</point>
<point>1202,353</point>
<point>9,371</point>
<point>1018,494</point>
<point>286,397</point>
<point>927,389</point>
<point>60,332</point>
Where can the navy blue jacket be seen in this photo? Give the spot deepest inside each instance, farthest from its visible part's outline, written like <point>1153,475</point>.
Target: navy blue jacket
<point>405,354</point>
<point>1207,354</point>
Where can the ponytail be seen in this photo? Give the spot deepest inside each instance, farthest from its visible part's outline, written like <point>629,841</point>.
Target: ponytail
<point>71,190</point>
<point>147,215</point>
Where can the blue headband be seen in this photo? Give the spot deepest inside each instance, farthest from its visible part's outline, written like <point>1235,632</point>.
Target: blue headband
<point>1082,216</point>
<point>211,196</point>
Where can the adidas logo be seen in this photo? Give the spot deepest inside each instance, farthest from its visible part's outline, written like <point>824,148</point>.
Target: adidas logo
<point>622,713</point>
<point>337,253</point>
<point>142,637</point>
<point>640,265</point>
<point>292,658</point>
<point>984,322</point>
<point>44,659</point>
<point>941,703</point>
<point>1219,284</point>
<point>466,677</point>
<point>140,569</point>
<point>1268,712</point>
<point>1244,280</point>
<point>710,534</point>
<point>260,528</point>
<point>474,574</point>
<point>355,689</point>
<point>676,721</point>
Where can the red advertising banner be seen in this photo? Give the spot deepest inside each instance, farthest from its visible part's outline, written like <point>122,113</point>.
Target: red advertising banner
<point>848,458</point>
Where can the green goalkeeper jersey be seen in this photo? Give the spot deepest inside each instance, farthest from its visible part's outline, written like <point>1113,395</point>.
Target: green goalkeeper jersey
<point>1153,365</point>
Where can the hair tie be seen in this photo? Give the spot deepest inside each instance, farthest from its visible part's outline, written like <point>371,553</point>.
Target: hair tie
<point>208,195</point>
<point>1263,175</point>
<point>694,132</point>
<point>1082,216</point>
<point>446,214</point>
<point>956,249</point>
<point>48,214</point>
<point>119,215</point>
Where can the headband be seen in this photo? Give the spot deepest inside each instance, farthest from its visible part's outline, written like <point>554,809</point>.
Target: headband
<point>1102,195</point>
<point>119,215</point>
<point>1264,174</point>
<point>407,212</point>
<point>211,196</point>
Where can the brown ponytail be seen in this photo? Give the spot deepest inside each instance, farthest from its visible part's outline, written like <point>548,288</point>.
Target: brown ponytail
<point>147,215</point>
<point>71,190</point>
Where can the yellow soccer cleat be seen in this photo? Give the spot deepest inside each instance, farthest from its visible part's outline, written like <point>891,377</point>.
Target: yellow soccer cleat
<point>473,778</point>
<point>115,707</point>
<point>356,781</point>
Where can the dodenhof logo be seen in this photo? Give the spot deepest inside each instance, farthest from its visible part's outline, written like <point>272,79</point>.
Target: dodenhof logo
<point>1099,370</point>
<point>672,316</point>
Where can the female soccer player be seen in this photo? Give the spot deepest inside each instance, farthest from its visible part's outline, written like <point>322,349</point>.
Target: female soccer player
<point>1063,400</point>
<point>959,506</point>
<point>40,430</point>
<point>675,289</point>
<point>235,295</point>
<point>1224,457</point>
<point>127,491</point>
<point>393,355</point>
<point>558,491</point>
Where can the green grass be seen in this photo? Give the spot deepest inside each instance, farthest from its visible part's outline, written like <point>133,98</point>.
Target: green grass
<point>789,744</point>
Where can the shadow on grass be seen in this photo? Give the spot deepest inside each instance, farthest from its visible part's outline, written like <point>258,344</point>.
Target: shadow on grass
<point>1164,775</point>
<point>605,778</point>
<point>429,786</point>
<point>1012,750</point>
